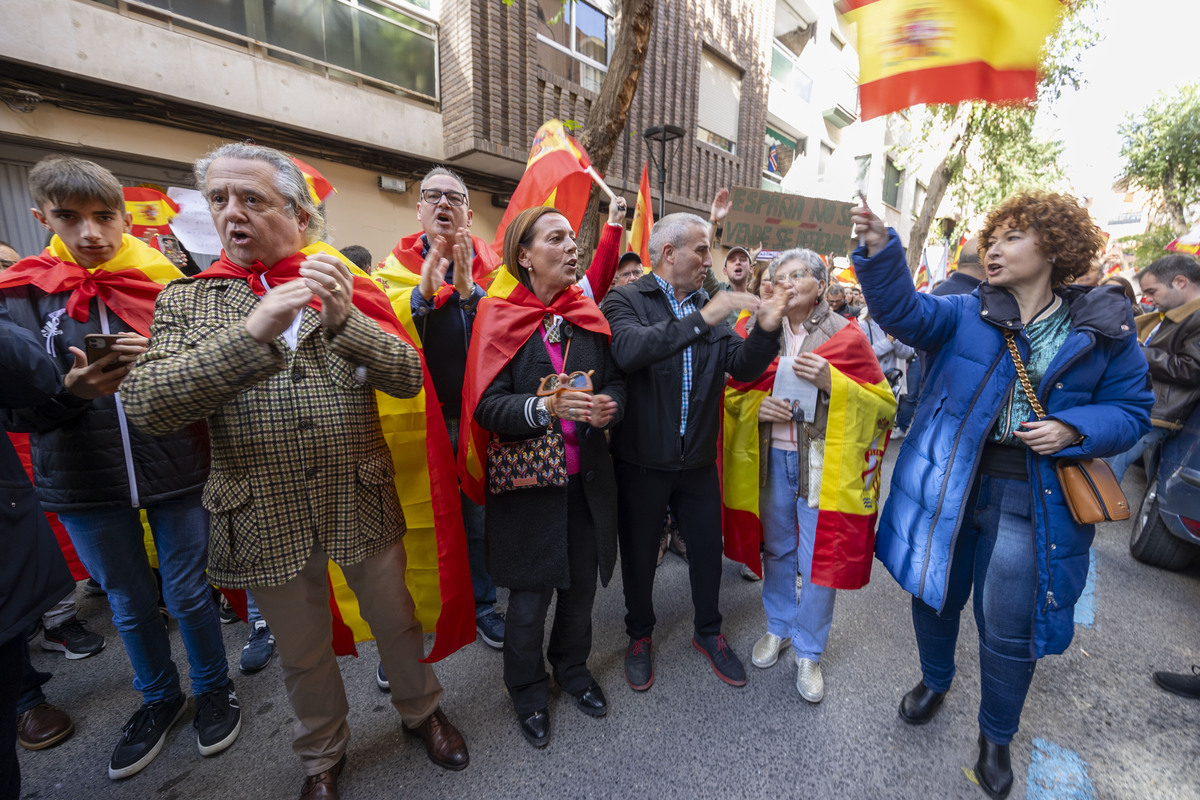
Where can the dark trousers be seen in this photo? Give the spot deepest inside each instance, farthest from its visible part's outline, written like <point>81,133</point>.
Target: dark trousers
<point>473,525</point>
<point>571,636</point>
<point>11,655</point>
<point>31,683</point>
<point>694,497</point>
<point>995,551</point>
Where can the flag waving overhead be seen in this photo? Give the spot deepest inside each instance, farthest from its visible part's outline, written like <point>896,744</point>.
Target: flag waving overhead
<point>921,281</point>
<point>643,220</point>
<point>150,210</point>
<point>948,51</point>
<point>318,187</point>
<point>555,175</point>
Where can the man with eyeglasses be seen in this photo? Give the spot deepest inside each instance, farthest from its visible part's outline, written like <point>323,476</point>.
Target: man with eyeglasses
<point>436,298</point>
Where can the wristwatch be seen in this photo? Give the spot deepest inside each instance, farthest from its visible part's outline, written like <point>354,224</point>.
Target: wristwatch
<point>541,413</point>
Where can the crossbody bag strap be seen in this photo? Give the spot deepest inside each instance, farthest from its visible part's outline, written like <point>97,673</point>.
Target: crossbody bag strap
<point>1010,339</point>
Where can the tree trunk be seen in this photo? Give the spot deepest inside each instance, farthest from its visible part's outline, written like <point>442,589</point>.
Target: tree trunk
<point>954,149</point>
<point>608,114</point>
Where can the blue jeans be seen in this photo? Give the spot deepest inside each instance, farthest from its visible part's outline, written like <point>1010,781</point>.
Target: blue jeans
<point>481,581</point>
<point>109,542</point>
<point>253,615</point>
<point>1121,461</point>
<point>995,550</point>
<point>789,532</point>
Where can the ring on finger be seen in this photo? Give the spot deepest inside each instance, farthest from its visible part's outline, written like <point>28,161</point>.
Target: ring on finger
<point>336,288</point>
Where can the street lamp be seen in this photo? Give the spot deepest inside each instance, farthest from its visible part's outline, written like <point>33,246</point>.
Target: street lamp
<point>661,134</point>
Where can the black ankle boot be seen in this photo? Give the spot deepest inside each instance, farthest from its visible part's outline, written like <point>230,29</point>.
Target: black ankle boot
<point>919,705</point>
<point>993,769</point>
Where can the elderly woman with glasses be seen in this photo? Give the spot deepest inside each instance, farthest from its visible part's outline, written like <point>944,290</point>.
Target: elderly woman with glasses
<point>539,365</point>
<point>804,528</point>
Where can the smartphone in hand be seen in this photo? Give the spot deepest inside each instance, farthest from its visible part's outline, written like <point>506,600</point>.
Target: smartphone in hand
<point>98,345</point>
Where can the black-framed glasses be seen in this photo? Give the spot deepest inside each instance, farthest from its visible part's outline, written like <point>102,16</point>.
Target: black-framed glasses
<point>434,196</point>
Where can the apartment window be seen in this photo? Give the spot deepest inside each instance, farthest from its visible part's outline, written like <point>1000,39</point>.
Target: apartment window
<point>823,159</point>
<point>919,193</point>
<point>788,76</point>
<point>575,39</point>
<point>393,41</point>
<point>720,102</point>
<point>892,177</point>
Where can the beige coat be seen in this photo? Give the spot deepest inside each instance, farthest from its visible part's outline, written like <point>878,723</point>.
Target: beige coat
<point>297,451</point>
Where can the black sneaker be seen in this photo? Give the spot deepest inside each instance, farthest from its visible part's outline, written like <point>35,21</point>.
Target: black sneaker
<point>72,638</point>
<point>724,661</point>
<point>225,611</point>
<point>90,586</point>
<point>491,629</point>
<point>381,679</point>
<point>218,719</point>
<point>639,665</point>
<point>143,736</point>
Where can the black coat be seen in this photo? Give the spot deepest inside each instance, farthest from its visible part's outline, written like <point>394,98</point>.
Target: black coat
<point>81,457</point>
<point>647,345</point>
<point>33,573</point>
<point>526,529</point>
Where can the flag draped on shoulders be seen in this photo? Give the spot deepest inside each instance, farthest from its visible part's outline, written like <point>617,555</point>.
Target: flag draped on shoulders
<point>948,51</point>
<point>557,174</point>
<point>861,406</point>
<point>438,573</point>
<point>400,271</point>
<point>128,283</point>
<point>502,325</point>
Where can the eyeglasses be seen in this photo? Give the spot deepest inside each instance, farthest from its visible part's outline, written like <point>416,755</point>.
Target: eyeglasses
<point>794,277</point>
<point>434,196</point>
<point>575,382</point>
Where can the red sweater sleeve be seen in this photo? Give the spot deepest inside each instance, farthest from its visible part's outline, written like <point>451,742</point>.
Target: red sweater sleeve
<point>604,263</point>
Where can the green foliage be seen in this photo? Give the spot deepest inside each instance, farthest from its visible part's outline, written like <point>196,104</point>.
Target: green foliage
<point>1159,147</point>
<point>1151,245</point>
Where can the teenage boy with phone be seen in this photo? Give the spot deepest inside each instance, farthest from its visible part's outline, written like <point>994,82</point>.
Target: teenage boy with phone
<point>96,471</point>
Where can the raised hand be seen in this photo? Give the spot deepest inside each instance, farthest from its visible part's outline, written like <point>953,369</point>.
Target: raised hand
<point>721,206</point>
<point>869,229</point>
<point>725,303</point>
<point>433,270</point>
<point>464,281</point>
<point>277,310</point>
<point>616,212</point>
<point>330,280</point>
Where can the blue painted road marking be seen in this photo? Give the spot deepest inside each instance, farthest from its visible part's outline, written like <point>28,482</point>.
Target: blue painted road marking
<point>1056,773</point>
<point>1085,609</point>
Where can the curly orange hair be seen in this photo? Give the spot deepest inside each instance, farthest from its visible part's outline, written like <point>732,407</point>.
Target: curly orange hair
<point>1070,240</point>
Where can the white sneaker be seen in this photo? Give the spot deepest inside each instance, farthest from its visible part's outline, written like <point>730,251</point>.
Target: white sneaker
<point>766,650</point>
<point>809,682</point>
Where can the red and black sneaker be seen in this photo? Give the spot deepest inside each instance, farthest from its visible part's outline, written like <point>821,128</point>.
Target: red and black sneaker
<point>639,666</point>
<point>724,661</point>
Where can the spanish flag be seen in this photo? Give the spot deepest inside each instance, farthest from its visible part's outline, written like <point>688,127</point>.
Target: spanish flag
<point>922,279</point>
<point>957,254</point>
<point>557,174</point>
<point>848,276</point>
<point>859,422</point>
<point>643,220</point>
<point>318,187</point>
<point>948,51</point>
<point>151,210</point>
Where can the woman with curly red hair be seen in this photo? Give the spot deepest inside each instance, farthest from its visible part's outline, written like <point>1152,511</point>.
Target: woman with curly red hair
<point>975,501</point>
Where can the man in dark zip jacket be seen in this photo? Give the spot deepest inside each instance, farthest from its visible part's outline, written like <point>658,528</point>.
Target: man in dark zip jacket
<point>675,348</point>
<point>96,471</point>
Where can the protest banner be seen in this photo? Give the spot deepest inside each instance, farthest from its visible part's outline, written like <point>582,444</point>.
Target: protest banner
<point>780,221</point>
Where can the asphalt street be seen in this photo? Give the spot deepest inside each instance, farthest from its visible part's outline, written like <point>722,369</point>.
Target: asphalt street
<point>1095,725</point>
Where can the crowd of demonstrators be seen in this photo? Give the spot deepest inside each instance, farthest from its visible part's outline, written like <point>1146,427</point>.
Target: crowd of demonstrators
<point>545,375</point>
<point>976,436</point>
<point>209,402</point>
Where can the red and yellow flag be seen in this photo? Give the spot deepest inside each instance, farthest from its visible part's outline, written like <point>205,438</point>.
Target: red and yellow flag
<point>957,254</point>
<point>859,422</point>
<point>848,276</point>
<point>948,51</point>
<point>318,187</point>
<point>555,175</point>
<point>150,209</point>
<point>643,220</point>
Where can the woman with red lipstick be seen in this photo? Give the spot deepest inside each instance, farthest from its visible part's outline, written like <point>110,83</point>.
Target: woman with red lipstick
<point>975,501</point>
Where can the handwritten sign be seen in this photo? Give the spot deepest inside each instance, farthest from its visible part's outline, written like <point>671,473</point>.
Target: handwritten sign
<point>193,225</point>
<point>782,221</point>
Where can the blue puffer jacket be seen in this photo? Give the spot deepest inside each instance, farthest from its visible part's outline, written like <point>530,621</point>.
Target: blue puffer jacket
<point>1098,383</point>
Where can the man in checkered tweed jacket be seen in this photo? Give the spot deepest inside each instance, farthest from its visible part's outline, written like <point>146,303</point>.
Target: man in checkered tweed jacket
<point>272,346</point>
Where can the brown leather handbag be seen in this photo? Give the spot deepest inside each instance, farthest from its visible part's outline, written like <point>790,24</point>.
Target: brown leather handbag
<point>1092,491</point>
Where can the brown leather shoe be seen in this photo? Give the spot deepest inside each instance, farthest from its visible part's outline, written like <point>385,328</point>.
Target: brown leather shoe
<point>443,742</point>
<point>43,726</point>
<point>323,785</point>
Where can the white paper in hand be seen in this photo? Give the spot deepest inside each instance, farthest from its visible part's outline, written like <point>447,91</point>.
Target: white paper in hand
<point>800,394</point>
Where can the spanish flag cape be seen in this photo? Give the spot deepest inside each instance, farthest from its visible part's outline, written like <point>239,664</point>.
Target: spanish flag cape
<point>438,574</point>
<point>861,406</point>
<point>502,326</point>
<point>128,283</point>
<point>401,272</point>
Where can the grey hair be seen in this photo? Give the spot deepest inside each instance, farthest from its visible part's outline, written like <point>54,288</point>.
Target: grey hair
<point>811,261</point>
<point>439,170</point>
<point>673,230</point>
<point>289,180</point>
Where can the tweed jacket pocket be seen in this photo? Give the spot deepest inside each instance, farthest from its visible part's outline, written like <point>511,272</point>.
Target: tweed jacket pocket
<point>345,375</point>
<point>234,539</point>
<point>377,506</point>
